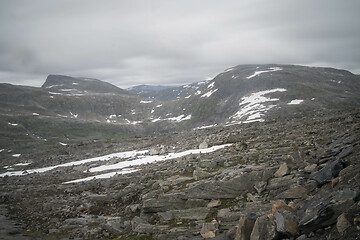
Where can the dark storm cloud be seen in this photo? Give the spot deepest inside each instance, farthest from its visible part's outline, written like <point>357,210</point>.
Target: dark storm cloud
<point>171,42</point>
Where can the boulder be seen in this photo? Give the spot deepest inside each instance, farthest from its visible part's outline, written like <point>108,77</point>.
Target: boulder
<point>323,211</point>
<point>260,186</point>
<point>287,223</point>
<point>203,145</point>
<point>327,173</point>
<point>214,204</point>
<point>164,203</point>
<point>342,223</point>
<point>200,174</point>
<point>245,226</point>
<point>264,229</point>
<point>210,230</point>
<point>297,192</point>
<point>282,171</point>
<point>227,188</point>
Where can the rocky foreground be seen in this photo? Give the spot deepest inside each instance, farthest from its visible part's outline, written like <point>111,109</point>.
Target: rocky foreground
<point>290,178</point>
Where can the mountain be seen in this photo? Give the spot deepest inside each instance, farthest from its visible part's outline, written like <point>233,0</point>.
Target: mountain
<point>261,151</point>
<point>249,93</point>
<point>166,93</point>
<point>71,85</point>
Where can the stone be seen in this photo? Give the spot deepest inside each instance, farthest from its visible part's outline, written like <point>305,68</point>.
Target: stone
<point>214,204</point>
<point>323,211</point>
<point>251,198</point>
<point>281,205</point>
<point>335,182</point>
<point>210,230</point>
<point>296,192</point>
<point>245,226</point>
<point>200,174</point>
<point>226,188</point>
<point>327,173</point>
<point>203,145</point>
<point>199,213</point>
<point>166,216</point>
<point>342,223</point>
<point>282,171</point>
<point>287,223</point>
<point>310,168</point>
<point>226,215</point>
<point>194,203</point>
<point>164,203</point>
<point>260,186</point>
<point>345,152</point>
<point>264,229</point>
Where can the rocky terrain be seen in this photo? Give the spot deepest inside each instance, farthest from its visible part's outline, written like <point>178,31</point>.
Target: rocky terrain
<point>274,171</point>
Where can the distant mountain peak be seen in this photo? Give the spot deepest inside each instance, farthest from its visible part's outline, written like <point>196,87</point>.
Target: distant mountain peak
<point>77,85</point>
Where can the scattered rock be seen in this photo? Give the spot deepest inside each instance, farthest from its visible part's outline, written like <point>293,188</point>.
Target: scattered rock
<point>214,203</point>
<point>210,230</point>
<point>200,174</point>
<point>282,171</point>
<point>245,227</point>
<point>310,168</point>
<point>287,223</point>
<point>203,145</point>
<point>260,186</point>
<point>264,229</point>
<point>342,223</point>
<point>296,192</point>
<point>323,211</point>
<point>327,173</point>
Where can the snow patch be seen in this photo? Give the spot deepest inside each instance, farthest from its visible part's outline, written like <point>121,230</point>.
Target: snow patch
<point>295,102</point>
<point>273,69</point>
<point>140,160</point>
<point>198,92</point>
<point>211,85</point>
<point>208,126</point>
<point>252,107</point>
<point>124,155</point>
<point>22,164</point>
<point>62,144</point>
<point>68,90</point>
<point>176,119</point>
<point>75,83</point>
<point>143,101</point>
<point>35,114</point>
<point>209,93</point>
<point>1,150</point>
<point>13,124</point>
<point>188,96</point>
<point>16,155</point>
<point>229,69</point>
<point>52,86</point>
<point>74,115</point>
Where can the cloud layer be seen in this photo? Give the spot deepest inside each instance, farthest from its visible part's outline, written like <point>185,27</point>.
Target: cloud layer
<point>134,42</point>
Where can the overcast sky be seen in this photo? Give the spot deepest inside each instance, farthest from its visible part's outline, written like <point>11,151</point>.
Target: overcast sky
<point>168,42</point>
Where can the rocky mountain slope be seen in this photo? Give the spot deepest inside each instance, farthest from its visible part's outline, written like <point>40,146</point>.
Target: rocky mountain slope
<point>259,152</point>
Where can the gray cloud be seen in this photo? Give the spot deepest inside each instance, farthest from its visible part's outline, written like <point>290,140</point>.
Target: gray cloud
<point>161,42</point>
